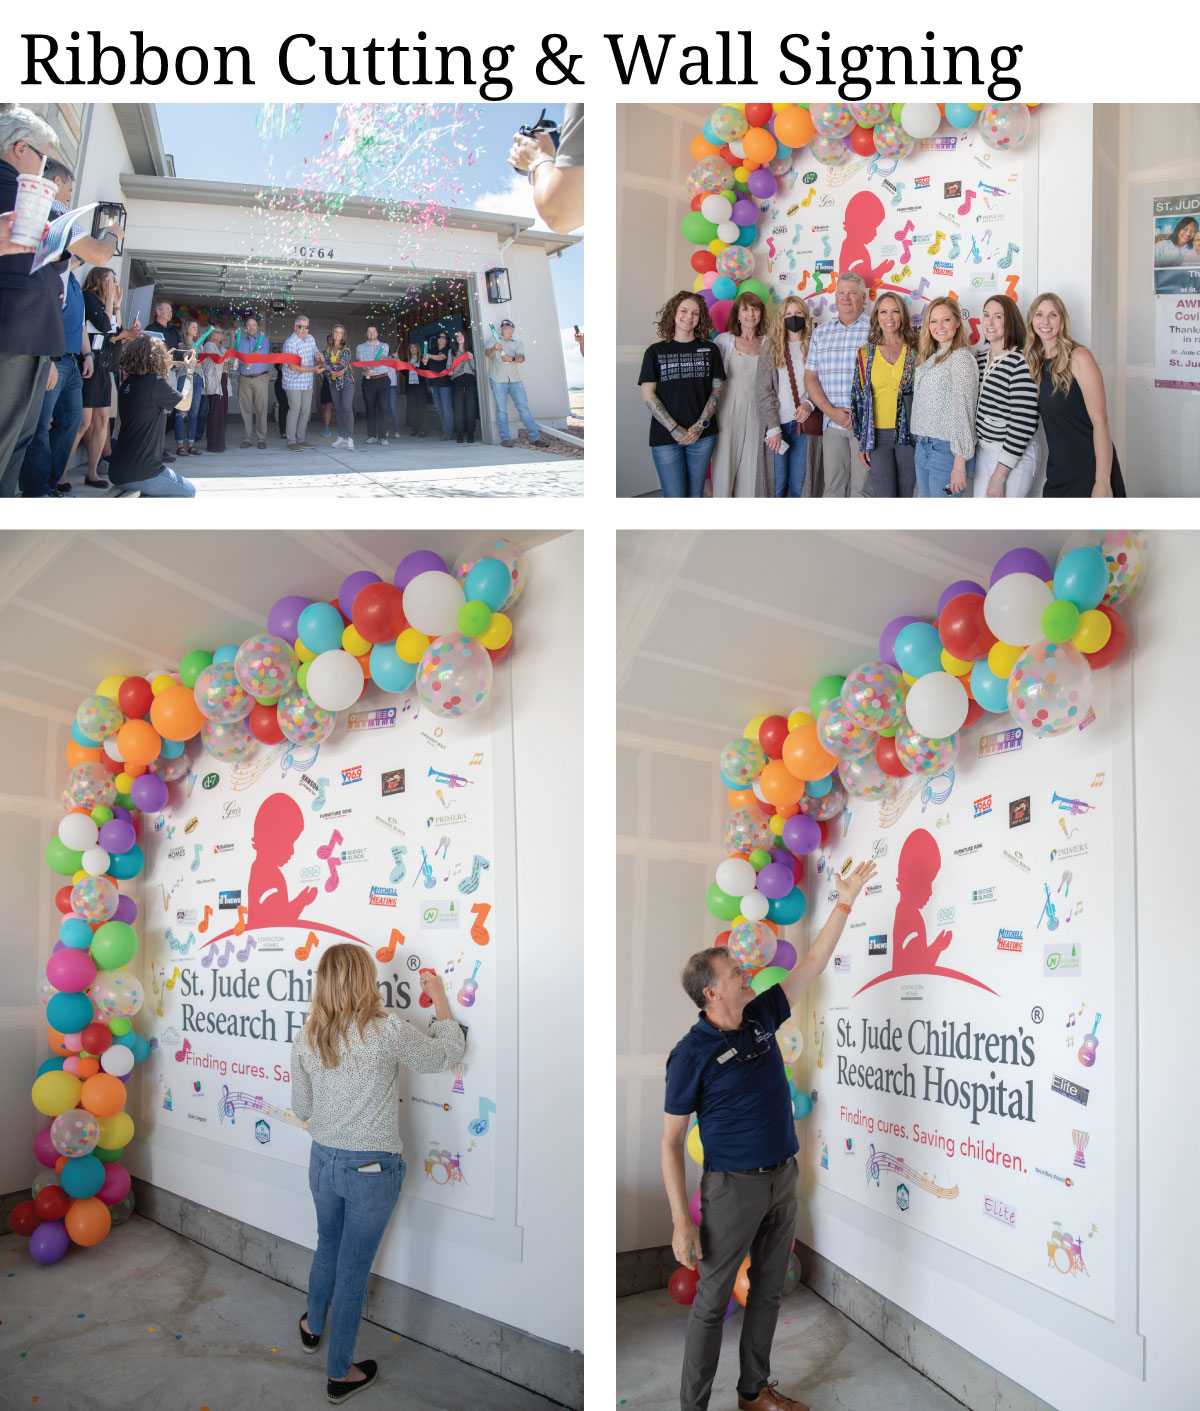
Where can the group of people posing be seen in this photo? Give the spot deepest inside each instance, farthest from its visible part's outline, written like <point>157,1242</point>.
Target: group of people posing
<point>898,412</point>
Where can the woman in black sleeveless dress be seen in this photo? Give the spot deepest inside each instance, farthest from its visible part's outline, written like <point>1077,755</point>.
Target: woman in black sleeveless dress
<point>1082,459</point>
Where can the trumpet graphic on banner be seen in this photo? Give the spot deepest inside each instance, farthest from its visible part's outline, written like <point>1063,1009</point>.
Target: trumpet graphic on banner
<point>1071,805</point>
<point>451,781</point>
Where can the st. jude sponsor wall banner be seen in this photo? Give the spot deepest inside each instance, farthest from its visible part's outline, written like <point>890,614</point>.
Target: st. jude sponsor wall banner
<point>383,835</point>
<point>958,1037</point>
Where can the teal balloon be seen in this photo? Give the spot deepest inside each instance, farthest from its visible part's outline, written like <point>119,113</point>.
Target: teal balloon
<point>81,739</point>
<point>818,788</point>
<point>226,653</point>
<point>1082,577</point>
<point>320,628</point>
<point>960,115</point>
<point>721,904</point>
<point>114,945</point>
<point>918,649</point>
<point>695,228</point>
<point>82,1176</point>
<point>137,1044</point>
<point>51,1065</point>
<point>490,581</point>
<point>388,672</point>
<point>801,1106</point>
<point>724,287</point>
<point>127,864</point>
<point>69,1013</point>
<point>172,749</point>
<point>75,933</point>
<point>62,859</point>
<point>990,690</point>
<point>784,910</point>
<point>747,235</point>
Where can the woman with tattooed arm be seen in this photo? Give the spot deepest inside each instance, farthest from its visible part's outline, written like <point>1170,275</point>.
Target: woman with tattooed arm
<point>681,380</point>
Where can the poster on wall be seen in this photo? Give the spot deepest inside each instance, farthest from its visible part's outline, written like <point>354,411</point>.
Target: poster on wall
<point>1177,341</point>
<point>1177,244</point>
<point>962,1039</point>
<point>947,219</point>
<point>381,836</point>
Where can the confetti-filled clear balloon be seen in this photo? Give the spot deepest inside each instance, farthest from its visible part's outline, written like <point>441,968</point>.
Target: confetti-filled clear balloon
<point>229,741</point>
<point>841,736</point>
<point>891,141</point>
<point>219,696</point>
<point>172,769</point>
<point>265,667</point>
<point>831,119</point>
<point>1050,689</point>
<point>865,780</point>
<point>1004,126</point>
<point>455,675</point>
<point>1124,552</point>
<point>122,1210</point>
<point>832,151</point>
<point>99,718</point>
<point>921,755</point>
<point>790,1039</point>
<point>736,262</point>
<point>94,898</point>
<point>742,761</point>
<point>89,784</point>
<point>873,696</point>
<point>74,1133</point>
<point>752,943</point>
<point>728,123</point>
<point>117,994</point>
<point>498,548</point>
<point>709,176</point>
<point>302,720</point>
<point>826,807</point>
<point>746,829</point>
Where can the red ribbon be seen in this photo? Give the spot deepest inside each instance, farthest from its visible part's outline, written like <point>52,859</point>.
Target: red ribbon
<point>293,360</point>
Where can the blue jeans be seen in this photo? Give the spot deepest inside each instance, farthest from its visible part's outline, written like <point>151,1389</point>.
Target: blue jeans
<point>443,400</point>
<point>166,485</point>
<point>682,469</point>
<point>934,462</point>
<point>185,422</point>
<point>62,411</point>
<point>353,1209</point>
<point>501,391</point>
<point>791,464</point>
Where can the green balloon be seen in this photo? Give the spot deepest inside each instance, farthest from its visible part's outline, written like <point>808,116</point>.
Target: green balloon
<point>302,675</point>
<point>1060,620</point>
<point>474,618</point>
<point>697,228</point>
<point>125,801</point>
<point>120,1027</point>
<point>102,814</point>
<point>759,859</point>
<point>897,109</point>
<point>114,945</point>
<point>721,904</point>
<point>827,689</point>
<point>769,975</point>
<point>889,733</point>
<point>192,665</point>
<point>62,859</point>
<point>755,286</point>
<point>106,1155</point>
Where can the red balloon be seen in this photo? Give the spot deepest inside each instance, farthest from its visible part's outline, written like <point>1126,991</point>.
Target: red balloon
<point>96,1038</point>
<point>703,261</point>
<point>62,898</point>
<point>263,724</point>
<point>974,714</point>
<point>829,832</point>
<point>771,735</point>
<point>862,139</point>
<point>114,766</point>
<point>1113,648</point>
<point>728,155</point>
<point>962,628</point>
<point>135,697</point>
<point>798,868</point>
<point>378,614</point>
<point>887,759</point>
<point>682,1285</point>
<point>24,1219</point>
<point>722,939</point>
<point>52,1202</point>
<point>759,114</point>
<point>499,653</point>
<point>698,200</point>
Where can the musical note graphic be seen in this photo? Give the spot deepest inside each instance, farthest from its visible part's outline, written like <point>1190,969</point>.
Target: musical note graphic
<point>882,1161</point>
<point>385,953</point>
<point>399,871</point>
<point>974,322</point>
<point>827,252</point>
<point>471,884</point>
<point>897,198</point>
<point>902,237</point>
<point>183,947</point>
<point>175,974</point>
<point>326,849</point>
<point>230,1102</point>
<point>1071,1020</point>
<point>955,241</point>
<point>304,951</point>
<point>1071,1042</point>
<point>222,960</point>
<point>770,247</point>
<point>1006,259</point>
<point>181,1054</point>
<point>906,272</point>
<point>818,282</point>
<point>466,993</point>
<point>244,954</point>
<point>203,926</point>
<point>812,191</point>
<point>332,880</point>
<point>832,285</point>
<point>1010,285</point>
<point>240,924</point>
<point>196,858</point>
<point>318,802</point>
<point>477,1126</point>
<point>425,1002</point>
<point>966,205</point>
<point>1098,781</point>
<point>476,758</point>
<point>936,244</point>
<point>919,291</point>
<point>479,932</point>
<point>803,283</point>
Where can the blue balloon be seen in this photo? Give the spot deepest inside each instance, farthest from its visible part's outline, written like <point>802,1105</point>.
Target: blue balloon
<point>732,783</point>
<point>710,136</point>
<point>69,1013</point>
<point>782,153</point>
<point>818,788</point>
<point>51,1065</point>
<point>127,864</point>
<point>784,910</point>
<point>172,749</point>
<point>388,672</point>
<point>1082,578</point>
<point>990,690</point>
<point>724,288</point>
<point>490,581</point>
<point>81,739</point>
<point>801,1106</point>
<point>74,932</point>
<point>141,1051</point>
<point>321,627</point>
<point>918,649</point>
<point>82,1176</point>
<point>747,235</point>
<point>226,653</point>
<point>960,115</point>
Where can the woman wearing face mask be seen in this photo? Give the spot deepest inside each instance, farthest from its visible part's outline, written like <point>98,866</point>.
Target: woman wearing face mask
<point>741,466</point>
<point>945,391</point>
<point>789,417</point>
<point>1082,459</point>
<point>881,400</point>
<point>1007,418</point>
<point>681,379</point>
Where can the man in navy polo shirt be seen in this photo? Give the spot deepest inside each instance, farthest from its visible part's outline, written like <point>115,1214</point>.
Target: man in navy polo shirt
<point>729,1071</point>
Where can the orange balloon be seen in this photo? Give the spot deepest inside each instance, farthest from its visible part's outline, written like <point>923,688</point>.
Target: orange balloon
<point>741,798</point>
<point>787,810</point>
<point>702,147</point>
<point>81,754</point>
<point>55,1040</point>
<point>794,127</point>
<point>759,145</point>
<point>175,714</point>
<point>138,742</point>
<point>89,1067</point>
<point>805,756</point>
<point>741,1285</point>
<point>103,1095</point>
<point>60,1163</point>
<point>88,1221</point>
<point>779,784</point>
<point>135,770</point>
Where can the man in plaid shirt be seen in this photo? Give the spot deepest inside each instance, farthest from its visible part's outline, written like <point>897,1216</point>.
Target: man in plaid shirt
<point>828,379</point>
<point>298,383</point>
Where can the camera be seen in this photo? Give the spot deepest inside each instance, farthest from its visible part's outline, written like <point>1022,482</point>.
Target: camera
<point>543,124</point>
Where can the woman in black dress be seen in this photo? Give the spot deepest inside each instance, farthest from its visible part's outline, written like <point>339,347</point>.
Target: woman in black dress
<point>101,295</point>
<point>1083,460</point>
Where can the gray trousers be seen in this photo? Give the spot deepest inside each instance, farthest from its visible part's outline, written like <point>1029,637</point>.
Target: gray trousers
<point>22,387</point>
<point>739,1211</point>
<point>893,468</point>
<point>299,407</point>
<point>252,399</point>
<point>845,474</point>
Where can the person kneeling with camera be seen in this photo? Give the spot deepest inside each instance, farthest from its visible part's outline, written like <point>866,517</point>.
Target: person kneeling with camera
<point>144,394</point>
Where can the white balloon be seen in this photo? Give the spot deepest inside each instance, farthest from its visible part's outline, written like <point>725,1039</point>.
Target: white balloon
<point>728,232</point>
<point>920,119</point>
<point>95,862</point>
<point>78,832</point>
<point>936,705</point>
<point>756,785</point>
<point>113,750</point>
<point>432,601</point>
<point>335,680</point>
<point>1013,608</point>
<point>117,1060</point>
<point>755,906</point>
<point>738,147</point>
<point>715,208</point>
<point>736,877</point>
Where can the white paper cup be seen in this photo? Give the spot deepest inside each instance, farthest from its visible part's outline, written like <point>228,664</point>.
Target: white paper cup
<point>34,195</point>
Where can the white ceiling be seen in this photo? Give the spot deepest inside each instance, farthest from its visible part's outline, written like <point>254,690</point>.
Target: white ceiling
<point>715,628</point>
<point>75,607</point>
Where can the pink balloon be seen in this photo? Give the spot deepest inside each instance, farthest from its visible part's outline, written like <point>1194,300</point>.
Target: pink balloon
<point>71,1065</point>
<point>73,1041</point>
<point>43,1147</point>
<point>693,1204</point>
<point>116,1184</point>
<point>720,314</point>
<point>71,970</point>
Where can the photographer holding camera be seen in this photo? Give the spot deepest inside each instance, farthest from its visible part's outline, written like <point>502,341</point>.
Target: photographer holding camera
<point>553,157</point>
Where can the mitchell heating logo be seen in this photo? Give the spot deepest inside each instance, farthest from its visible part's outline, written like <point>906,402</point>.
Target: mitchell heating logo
<point>1004,742</point>
<point>969,851</point>
<point>1010,940</point>
<point>353,775</point>
<point>983,805</point>
<point>383,896</point>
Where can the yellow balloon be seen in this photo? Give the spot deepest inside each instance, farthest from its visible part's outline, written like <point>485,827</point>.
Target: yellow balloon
<point>751,730</point>
<point>716,246</point>
<point>1002,658</point>
<point>79,876</point>
<point>953,665</point>
<point>775,824</point>
<point>697,284</point>
<point>908,680</point>
<point>162,683</point>
<point>498,633</point>
<point>798,718</point>
<point>694,1149</point>
<point>303,652</point>
<point>124,782</point>
<point>741,174</point>
<point>354,642</point>
<point>116,1131</point>
<point>1093,631</point>
<point>976,107</point>
<point>110,686</point>
<point>411,645</point>
<point>56,1092</point>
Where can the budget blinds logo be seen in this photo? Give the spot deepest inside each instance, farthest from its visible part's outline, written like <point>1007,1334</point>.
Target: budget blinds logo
<point>983,805</point>
<point>1004,742</point>
<point>353,775</point>
<point>1018,812</point>
<point>983,894</point>
<point>1010,940</point>
<point>392,782</point>
<point>382,719</point>
<point>877,945</point>
<point>229,901</point>
<point>383,896</point>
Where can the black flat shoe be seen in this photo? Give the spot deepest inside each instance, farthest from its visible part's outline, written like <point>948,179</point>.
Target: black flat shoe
<point>308,1341</point>
<point>96,484</point>
<point>342,1391</point>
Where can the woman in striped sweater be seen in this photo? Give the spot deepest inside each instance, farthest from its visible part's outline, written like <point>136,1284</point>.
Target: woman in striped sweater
<point>1007,416</point>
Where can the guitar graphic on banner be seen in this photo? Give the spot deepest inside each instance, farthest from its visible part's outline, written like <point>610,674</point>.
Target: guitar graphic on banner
<point>466,992</point>
<point>1087,1053</point>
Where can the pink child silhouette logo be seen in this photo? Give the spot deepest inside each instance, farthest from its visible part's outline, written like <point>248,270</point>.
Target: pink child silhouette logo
<point>278,824</point>
<point>920,862</point>
<point>864,216</point>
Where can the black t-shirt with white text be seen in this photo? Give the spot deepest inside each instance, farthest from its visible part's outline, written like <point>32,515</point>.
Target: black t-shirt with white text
<point>684,373</point>
<point>141,402</point>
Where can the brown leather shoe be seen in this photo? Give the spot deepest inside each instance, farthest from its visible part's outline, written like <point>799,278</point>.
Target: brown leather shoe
<point>292,446</point>
<point>246,444</point>
<point>770,1398</point>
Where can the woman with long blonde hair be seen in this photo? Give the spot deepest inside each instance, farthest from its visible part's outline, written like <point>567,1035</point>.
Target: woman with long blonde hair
<point>783,408</point>
<point>945,393</point>
<point>1082,459</point>
<point>345,1082</point>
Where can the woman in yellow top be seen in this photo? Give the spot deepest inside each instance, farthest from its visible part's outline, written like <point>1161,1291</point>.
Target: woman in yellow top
<point>881,399</point>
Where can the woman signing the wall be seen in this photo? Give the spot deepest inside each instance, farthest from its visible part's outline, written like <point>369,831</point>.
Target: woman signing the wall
<point>345,1079</point>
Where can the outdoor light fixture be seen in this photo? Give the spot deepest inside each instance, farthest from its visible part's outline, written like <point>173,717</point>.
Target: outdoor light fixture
<point>107,215</point>
<point>498,290</point>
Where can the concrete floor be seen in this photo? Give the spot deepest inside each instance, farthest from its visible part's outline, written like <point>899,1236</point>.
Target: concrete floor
<point>819,1357</point>
<point>149,1321</point>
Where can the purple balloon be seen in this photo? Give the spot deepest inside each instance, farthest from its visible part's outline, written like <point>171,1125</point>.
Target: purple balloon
<point>887,642</point>
<point>709,298</point>
<point>1021,561</point>
<point>785,954</point>
<point>59,945</point>
<point>116,1184</point>
<point>149,792</point>
<point>782,855</point>
<point>352,586</point>
<point>119,812</point>
<point>284,618</point>
<point>744,212</point>
<point>420,561</point>
<point>44,1149</point>
<point>775,881</point>
<point>761,184</point>
<point>117,835</point>
<point>801,834</point>
<point>49,1242</point>
<point>964,585</point>
<point>126,910</point>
